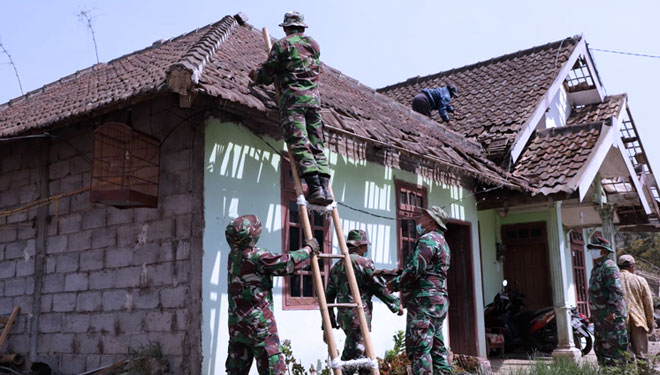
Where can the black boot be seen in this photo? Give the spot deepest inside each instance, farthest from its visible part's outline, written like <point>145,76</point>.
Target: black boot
<point>315,193</point>
<point>325,182</point>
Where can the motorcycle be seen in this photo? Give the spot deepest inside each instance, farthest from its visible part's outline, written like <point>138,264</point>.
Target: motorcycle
<point>543,330</point>
<point>533,330</point>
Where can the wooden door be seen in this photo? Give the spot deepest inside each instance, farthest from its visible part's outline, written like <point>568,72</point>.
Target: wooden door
<point>460,287</point>
<point>526,264</point>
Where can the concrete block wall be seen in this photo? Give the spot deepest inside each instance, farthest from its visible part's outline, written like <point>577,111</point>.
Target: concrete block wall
<point>113,279</point>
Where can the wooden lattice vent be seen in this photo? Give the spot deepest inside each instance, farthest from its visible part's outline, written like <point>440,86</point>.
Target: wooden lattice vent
<point>125,167</point>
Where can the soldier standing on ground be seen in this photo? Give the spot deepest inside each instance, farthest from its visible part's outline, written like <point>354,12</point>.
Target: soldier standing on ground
<point>252,328</point>
<point>294,66</point>
<point>369,286</point>
<point>639,302</point>
<point>424,280</point>
<point>607,305</point>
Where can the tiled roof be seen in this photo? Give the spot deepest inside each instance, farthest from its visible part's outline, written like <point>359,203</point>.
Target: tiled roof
<point>610,107</point>
<point>497,95</point>
<point>554,156</point>
<point>139,73</point>
<point>215,60</point>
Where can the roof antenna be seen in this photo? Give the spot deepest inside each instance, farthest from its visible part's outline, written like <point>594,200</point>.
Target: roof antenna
<point>13,65</point>
<point>84,17</point>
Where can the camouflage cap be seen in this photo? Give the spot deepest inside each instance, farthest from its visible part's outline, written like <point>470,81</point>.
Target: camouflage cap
<point>357,237</point>
<point>598,242</point>
<point>293,18</point>
<point>439,215</point>
<point>626,260</point>
<point>243,232</point>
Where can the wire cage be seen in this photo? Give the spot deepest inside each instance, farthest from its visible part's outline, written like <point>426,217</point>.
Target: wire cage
<point>125,167</point>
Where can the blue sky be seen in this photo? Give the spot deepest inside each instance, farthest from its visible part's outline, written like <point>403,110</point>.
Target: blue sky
<point>376,42</point>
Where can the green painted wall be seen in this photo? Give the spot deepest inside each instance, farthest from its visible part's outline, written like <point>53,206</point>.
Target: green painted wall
<point>242,175</point>
<point>490,223</point>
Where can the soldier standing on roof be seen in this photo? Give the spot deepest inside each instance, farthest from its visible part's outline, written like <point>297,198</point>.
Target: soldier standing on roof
<point>369,286</point>
<point>424,279</point>
<point>293,64</point>
<point>607,305</point>
<point>252,328</point>
<point>440,99</point>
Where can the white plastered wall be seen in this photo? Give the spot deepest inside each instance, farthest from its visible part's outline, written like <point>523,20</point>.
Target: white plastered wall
<point>242,175</point>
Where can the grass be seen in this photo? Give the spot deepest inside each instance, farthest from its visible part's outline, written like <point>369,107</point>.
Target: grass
<point>568,367</point>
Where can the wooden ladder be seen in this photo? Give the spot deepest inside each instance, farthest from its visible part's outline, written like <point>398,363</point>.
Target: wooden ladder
<point>335,363</point>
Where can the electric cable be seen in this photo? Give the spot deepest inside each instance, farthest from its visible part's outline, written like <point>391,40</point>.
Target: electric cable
<point>625,53</point>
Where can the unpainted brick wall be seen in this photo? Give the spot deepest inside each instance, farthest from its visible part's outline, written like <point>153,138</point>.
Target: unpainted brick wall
<point>114,279</point>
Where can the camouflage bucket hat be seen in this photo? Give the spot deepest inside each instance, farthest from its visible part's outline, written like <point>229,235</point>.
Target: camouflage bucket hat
<point>439,215</point>
<point>357,237</point>
<point>293,19</point>
<point>243,232</point>
<point>600,243</point>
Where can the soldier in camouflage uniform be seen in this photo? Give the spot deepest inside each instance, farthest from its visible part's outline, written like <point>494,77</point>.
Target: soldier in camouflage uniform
<point>294,66</point>
<point>424,280</point>
<point>607,305</point>
<point>252,328</point>
<point>369,286</point>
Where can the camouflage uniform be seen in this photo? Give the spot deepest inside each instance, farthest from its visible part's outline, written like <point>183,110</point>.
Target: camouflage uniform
<point>423,278</point>
<point>293,64</point>
<point>369,286</point>
<point>605,298</point>
<point>252,328</point>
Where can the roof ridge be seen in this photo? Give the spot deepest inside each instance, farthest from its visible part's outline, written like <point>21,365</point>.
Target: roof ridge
<point>201,52</point>
<point>574,40</point>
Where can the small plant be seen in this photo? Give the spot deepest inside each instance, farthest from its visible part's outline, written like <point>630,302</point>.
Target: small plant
<point>294,367</point>
<point>147,359</point>
<point>395,362</point>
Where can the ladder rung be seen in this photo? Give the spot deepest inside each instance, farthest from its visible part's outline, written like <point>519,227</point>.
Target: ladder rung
<point>342,305</point>
<point>334,256</point>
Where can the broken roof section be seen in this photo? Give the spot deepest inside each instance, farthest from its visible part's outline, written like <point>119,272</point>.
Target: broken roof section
<point>499,95</point>
<point>214,61</point>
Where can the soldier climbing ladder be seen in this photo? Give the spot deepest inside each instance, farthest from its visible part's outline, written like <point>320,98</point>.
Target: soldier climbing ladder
<point>335,363</point>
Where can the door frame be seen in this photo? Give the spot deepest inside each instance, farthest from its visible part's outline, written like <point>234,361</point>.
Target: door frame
<point>471,343</point>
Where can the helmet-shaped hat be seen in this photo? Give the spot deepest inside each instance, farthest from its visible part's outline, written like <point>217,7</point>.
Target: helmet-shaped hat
<point>293,18</point>
<point>243,232</point>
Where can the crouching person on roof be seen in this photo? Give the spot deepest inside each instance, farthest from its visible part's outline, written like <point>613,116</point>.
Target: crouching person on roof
<point>424,280</point>
<point>293,64</point>
<point>252,328</point>
<point>369,285</point>
<point>440,99</point>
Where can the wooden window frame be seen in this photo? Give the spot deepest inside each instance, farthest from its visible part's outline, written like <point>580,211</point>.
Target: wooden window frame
<point>407,212</point>
<point>579,268</point>
<point>288,196</point>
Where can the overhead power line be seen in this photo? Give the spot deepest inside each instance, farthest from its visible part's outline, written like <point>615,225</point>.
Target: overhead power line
<point>625,53</point>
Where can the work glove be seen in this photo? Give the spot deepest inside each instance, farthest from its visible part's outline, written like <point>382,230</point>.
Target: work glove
<point>313,244</point>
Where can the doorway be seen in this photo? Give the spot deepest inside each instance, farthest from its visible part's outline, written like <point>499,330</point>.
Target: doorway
<point>526,264</point>
<point>460,287</point>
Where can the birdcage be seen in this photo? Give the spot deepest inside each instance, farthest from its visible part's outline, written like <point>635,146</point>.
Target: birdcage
<point>125,167</point>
